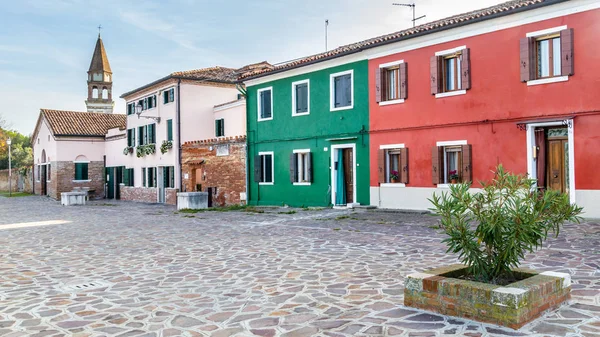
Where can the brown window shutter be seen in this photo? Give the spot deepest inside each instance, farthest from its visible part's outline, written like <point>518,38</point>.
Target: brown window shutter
<point>404,166</point>
<point>435,74</point>
<point>381,166</point>
<point>378,84</point>
<point>437,164</point>
<point>403,81</point>
<point>465,69</point>
<point>566,50</point>
<point>257,169</point>
<point>293,167</point>
<point>527,64</point>
<point>467,169</point>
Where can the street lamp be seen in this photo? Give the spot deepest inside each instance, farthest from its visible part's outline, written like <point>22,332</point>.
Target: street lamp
<point>138,112</point>
<point>8,142</point>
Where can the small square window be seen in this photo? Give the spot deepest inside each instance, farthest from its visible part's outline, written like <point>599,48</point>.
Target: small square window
<point>81,171</point>
<point>548,57</point>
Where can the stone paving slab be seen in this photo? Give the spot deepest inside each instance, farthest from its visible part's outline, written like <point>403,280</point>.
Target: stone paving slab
<point>127,269</point>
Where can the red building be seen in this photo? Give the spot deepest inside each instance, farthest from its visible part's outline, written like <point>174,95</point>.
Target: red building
<point>521,89</point>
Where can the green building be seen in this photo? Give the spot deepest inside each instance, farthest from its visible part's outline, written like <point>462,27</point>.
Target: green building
<point>307,129</point>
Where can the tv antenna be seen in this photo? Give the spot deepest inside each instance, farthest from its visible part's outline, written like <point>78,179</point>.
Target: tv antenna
<point>413,10</point>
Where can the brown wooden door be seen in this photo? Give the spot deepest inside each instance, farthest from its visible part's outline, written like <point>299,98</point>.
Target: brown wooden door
<point>556,172</point>
<point>348,174</point>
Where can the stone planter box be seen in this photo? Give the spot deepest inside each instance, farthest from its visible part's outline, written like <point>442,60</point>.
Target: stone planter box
<point>513,305</point>
<point>72,198</point>
<point>192,200</point>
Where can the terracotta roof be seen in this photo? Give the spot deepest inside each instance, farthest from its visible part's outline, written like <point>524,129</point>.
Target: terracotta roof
<point>502,9</point>
<point>87,124</point>
<point>213,74</point>
<point>99,59</point>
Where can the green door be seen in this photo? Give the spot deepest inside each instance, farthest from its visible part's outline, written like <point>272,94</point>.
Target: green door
<point>110,182</point>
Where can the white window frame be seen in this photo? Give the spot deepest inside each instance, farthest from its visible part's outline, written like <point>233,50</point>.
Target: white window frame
<point>384,66</point>
<point>333,175</point>
<point>294,84</point>
<point>162,92</point>
<point>444,144</point>
<point>454,92</point>
<point>388,147</point>
<point>547,80</point>
<point>332,90</point>
<point>258,92</point>
<point>301,151</point>
<point>266,153</point>
<point>82,162</point>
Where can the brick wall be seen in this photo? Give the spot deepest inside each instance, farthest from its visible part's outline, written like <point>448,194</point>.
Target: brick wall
<point>227,173</point>
<point>139,194</point>
<point>171,196</point>
<point>61,177</point>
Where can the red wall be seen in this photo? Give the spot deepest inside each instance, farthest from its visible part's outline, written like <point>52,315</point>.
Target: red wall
<point>496,93</point>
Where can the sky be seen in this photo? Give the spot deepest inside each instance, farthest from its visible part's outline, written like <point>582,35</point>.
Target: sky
<point>46,45</point>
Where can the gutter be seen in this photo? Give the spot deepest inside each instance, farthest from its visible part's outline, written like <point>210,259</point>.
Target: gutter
<point>168,77</point>
<point>411,36</point>
<point>179,135</point>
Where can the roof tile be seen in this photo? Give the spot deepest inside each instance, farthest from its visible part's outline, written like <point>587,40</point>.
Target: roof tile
<point>75,123</point>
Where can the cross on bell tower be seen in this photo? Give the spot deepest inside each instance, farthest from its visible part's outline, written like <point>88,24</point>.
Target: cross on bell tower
<point>99,80</point>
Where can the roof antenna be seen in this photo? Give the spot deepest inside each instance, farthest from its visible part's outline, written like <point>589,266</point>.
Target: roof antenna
<point>326,25</point>
<point>99,27</point>
<point>413,10</point>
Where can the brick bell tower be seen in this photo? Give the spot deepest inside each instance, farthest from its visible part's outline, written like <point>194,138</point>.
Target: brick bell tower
<point>99,81</point>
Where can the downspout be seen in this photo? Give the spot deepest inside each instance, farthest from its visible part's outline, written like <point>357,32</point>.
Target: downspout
<point>179,135</point>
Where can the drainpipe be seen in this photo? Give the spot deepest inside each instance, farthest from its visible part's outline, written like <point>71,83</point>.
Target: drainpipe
<point>179,135</point>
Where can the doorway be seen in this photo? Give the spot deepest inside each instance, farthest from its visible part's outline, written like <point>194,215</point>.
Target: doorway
<point>552,162</point>
<point>118,180</point>
<point>160,179</point>
<point>110,183</point>
<point>343,161</point>
<point>44,180</point>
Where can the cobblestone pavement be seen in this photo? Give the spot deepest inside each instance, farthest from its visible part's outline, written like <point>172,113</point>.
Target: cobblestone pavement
<point>129,269</point>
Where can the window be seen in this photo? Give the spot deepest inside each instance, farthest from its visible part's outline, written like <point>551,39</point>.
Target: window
<point>146,134</point>
<point>391,84</point>
<point>451,163</point>
<point>150,102</point>
<point>263,168</point>
<point>149,176</point>
<point>300,98</point>
<point>301,167</point>
<point>451,72</point>
<point>128,177</point>
<point>168,96</point>
<point>265,104</point>
<point>220,127</point>
<point>81,171</point>
<point>169,176</point>
<point>169,129</point>
<point>131,108</point>
<point>393,164</point>
<point>131,137</point>
<point>341,90</point>
<point>547,56</point>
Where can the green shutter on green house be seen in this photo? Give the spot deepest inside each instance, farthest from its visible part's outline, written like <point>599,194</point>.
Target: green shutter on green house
<point>169,129</point>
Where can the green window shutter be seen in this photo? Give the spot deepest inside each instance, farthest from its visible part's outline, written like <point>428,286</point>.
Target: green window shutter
<point>129,137</point>
<point>133,137</point>
<point>125,177</point>
<point>143,176</point>
<point>217,128</point>
<point>165,97</point>
<point>222,127</point>
<point>153,133</point>
<point>170,129</point>
<point>172,95</point>
<point>84,169</point>
<point>165,176</point>
<point>140,135</point>
<point>172,175</point>
<point>77,171</point>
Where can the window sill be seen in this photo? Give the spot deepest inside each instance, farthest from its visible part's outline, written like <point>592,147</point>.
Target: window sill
<point>393,185</point>
<point>341,108</point>
<point>82,181</point>
<point>548,80</point>
<point>443,185</point>
<point>266,184</point>
<point>302,184</point>
<point>300,114</point>
<point>451,93</point>
<point>396,101</point>
<point>265,119</point>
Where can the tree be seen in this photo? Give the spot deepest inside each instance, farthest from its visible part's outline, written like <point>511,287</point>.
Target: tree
<point>21,151</point>
<point>493,230</point>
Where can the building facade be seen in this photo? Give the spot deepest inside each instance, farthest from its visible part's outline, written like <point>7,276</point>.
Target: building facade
<point>308,135</point>
<point>69,151</point>
<point>165,114</point>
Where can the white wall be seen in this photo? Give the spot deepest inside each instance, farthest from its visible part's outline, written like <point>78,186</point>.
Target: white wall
<point>67,149</point>
<point>46,142</point>
<point>113,148</point>
<point>235,118</point>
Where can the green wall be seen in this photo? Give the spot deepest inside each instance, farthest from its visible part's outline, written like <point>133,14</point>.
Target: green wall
<point>317,131</point>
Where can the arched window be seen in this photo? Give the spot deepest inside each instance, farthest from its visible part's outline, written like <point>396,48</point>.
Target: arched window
<point>104,93</point>
<point>94,92</point>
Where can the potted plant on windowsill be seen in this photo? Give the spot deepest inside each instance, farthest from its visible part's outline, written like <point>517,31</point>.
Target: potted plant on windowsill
<point>454,176</point>
<point>394,177</point>
<point>492,231</point>
<point>165,146</point>
<point>127,150</point>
